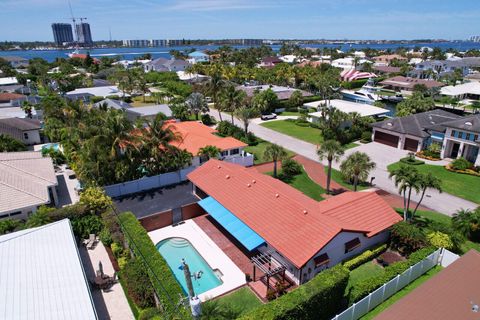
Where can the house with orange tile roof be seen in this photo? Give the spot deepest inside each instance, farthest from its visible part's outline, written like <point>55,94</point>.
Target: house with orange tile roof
<point>195,136</point>
<point>275,221</point>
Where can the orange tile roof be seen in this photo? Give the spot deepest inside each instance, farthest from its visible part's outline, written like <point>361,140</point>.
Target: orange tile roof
<point>294,224</point>
<point>195,136</point>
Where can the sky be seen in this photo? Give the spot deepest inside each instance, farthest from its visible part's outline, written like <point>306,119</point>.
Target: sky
<point>28,20</point>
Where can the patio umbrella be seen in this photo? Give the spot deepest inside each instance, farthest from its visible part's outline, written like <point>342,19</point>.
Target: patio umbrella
<point>100,267</point>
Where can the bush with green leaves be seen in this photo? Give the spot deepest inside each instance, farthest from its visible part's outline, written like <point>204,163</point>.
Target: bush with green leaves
<point>138,284</point>
<point>10,225</point>
<point>150,314</point>
<point>86,225</point>
<point>365,256</point>
<point>105,237</point>
<point>9,144</point>
<point>407,237</point>
<point>440,240</point>
<point>366,136</point>
<point>117,250</point>
<point>207,119</point>
<point>461,164</point>
<point>467,223</point>
<point>95,199</point>
<point>290,168</point>
<point>58,158</point>
<point>320,298</point>
<point>40,217</point>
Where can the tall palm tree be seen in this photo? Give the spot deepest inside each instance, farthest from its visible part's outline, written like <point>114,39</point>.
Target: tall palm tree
<point>330,150</point>
<point>245,114</point>
<point>197,104</point>
<point>357,167</point>
<point>275,153</point>
<point>214,86</point>
<point>230,99</point>
<point>407,179</point>
<point>427,181</point>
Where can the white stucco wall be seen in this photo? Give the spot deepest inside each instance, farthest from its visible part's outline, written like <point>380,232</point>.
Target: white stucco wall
<point>33,137</point>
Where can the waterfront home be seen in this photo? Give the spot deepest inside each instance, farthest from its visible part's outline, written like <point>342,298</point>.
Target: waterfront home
<point>407,84</point>
<point>16,62</point>
<point>166,65</point>
<point>283,93</point>
<point>386,70</point>
<point>280,225</point>
<point>25,130</point>
<point>198,56</point>
<point>27,181</point>
<point>387,59</point>
<point>104,91</point>
<point>269,62</point>
<point>443,67</point>
<point>145,112</point>
<point>352,75</point>
<point>468,90</point>
<point>411,132</point>
<point>348,63</point>
<point>42,275</point>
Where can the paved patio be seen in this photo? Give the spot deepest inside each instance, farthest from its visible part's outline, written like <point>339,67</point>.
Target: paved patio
<point>111,304</point>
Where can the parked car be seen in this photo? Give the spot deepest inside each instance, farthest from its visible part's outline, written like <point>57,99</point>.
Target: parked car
<point>268,116</point>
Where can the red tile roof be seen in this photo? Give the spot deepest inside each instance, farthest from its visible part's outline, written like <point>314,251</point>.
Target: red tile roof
<point>294,224</point>
<point>7,96</point>
<point>195,135</point>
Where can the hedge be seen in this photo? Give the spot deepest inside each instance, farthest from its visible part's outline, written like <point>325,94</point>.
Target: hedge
<point>366,256</point>
<point>363,288</point>
<point>320,298</point>
<point>168,290</point>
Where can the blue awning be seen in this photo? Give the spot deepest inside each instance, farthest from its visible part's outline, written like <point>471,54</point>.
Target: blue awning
<point>246,236</point>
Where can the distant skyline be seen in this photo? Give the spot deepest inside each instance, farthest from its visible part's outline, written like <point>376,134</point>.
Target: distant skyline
<point>30,20</point>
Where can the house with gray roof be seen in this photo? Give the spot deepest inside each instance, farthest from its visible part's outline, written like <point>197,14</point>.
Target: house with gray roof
<point>42,276</point>
<point>22,129</point>
<point>443,67</point>
<point>133,113</point>
<point>414,132</point>
<point>165,65</point>
<point>112,103</point>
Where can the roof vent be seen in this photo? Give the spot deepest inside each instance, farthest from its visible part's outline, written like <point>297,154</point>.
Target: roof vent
<point>254,181</point>
<point>249,185</point>
<point>227,176</point>
<point>389,124</point>
<point>277,195</point>
<point>305,211</point>
<point>219,166</point>
<point>468,123</point>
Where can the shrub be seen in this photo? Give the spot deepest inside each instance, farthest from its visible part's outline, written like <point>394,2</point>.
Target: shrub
<point>71,212</point>
<point>9,225</point>
<point>366,136</point>
<point>367,255</point>
<point>86,225</point>
<point>95,199</point>
<point>106,237</point>
<point>149,314</point>
<point>122,262</point>
<point>320,298</point>
<point>291,168</point>
<point>110,221</point>
<point>461,164</point>
<point>138,285</point>
<point>407,237</point>
<point>40,217</point>
<point>467,223</point>
<point>440,240</point>
<point>117,249</point>
<point>153,263</point>
<point>207,120</point>
<point>364,287</point>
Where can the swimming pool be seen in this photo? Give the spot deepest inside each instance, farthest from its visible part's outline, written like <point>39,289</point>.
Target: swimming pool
<point>47,146</point>
<point>174,250</point>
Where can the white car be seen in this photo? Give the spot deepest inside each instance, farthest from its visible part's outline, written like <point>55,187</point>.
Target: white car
<point>269,116</point>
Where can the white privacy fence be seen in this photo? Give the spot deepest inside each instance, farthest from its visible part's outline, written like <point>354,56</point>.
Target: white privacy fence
<point>147,183</point>
<point>362,307</point>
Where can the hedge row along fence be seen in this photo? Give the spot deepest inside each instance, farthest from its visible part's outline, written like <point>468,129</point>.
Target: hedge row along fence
<point>320,298</point>
<point>366,256</point>
<point>363,288</point>
<point>164,283</point>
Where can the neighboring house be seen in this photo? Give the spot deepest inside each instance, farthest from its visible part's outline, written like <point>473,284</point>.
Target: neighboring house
<point>269,62</point>
<point>24,130</point>
<point>191,77</point>
<point>198,56</point>
<point>195,135</point>
<point>33,100</point>
<point>97,91</point>
<point>386,69</point>
<point>8,81</point>
<point>289,58</point>
<point>453,293</point>
<point>348,63</point>
<point>283,93</point>
<point>27,181</point>
<point>352,75</point>
<point>407,84</point>
<point>148,112</point>
<point>411,132</point>
<point>469,90</point>
<point>84,97</point>
<point>461,138</point>
<point>6,98</point>
<point>298,235</point>
<point>387,59</point>
<point>15,88</point>
<point>42,275</point>
<point>166,65</point>
<point>16,62</point>
<point>113,104</point>
<point>442,67</point>
<point>17,112</point>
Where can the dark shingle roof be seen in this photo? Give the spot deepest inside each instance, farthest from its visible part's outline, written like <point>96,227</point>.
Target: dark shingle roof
<point>416,124</point>
<point>469,123</point>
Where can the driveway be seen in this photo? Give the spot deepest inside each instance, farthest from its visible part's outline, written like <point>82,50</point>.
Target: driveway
<point>157,200</point>
<point>382,155</point>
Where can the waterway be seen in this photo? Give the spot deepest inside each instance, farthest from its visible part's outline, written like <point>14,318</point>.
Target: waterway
<point>157,52</point>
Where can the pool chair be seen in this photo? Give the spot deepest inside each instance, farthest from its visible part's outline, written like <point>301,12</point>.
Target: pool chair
<point>91,241</point>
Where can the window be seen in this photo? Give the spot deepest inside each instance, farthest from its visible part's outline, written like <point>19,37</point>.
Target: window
<point>453,133</point>
<point>25,136</point>
<point>224,153</point>
<point>352,245</point>
<point>234,151</point>
<point>468,137</point>
<point>321,260</point>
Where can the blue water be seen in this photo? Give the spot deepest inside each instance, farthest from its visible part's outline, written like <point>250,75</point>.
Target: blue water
<point>132,53</point>
<point>174,250</point>
<point>47,146</point>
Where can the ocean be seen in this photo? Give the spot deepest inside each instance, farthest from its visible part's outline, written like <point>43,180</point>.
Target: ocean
<point>157,52</point>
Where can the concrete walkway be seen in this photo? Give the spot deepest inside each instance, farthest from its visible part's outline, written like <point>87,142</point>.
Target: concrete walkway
<point>111,304</point>
<point>381,154</point>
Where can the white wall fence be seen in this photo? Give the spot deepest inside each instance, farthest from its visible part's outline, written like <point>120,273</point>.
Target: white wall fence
<point>245,159</point>
<point>375,298</point>
<point>147,183</point>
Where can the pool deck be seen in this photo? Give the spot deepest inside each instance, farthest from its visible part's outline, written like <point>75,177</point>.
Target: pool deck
<point>233,277</point>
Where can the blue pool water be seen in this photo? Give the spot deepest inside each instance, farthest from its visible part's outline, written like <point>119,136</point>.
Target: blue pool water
<point>47,146</point>
<point>174,250</point>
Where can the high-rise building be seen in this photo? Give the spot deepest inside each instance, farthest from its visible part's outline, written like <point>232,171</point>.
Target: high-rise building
<point>62,33</point>
<point>84,35</point>
<point>475,38</point>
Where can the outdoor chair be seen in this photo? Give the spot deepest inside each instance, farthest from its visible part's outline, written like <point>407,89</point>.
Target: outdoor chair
<point>91,241</point>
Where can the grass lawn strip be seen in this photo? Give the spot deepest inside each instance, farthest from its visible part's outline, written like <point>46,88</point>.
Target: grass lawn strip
<point>461,185</point>
<point>289,128</point>
<point>259,150</point>
<point>365,271</point>
<point>400,294</point>
<point>337,177</point>
<point>242,300</point>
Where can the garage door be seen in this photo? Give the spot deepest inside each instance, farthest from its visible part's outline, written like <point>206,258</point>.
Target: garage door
<point>385,138</point>
<point>411,145</point>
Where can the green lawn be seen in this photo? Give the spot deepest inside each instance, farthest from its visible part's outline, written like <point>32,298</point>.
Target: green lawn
<point>259,150</point>
<point>307,134</point>
<point>290,113</point>
<point>365,271</point>
<point>337,177</point>
<point>304,184</point>
<point>397,296</point>
<point>138,101</point>
<point>460,185</point>
<point>242,300</point>
<point>350,145</point>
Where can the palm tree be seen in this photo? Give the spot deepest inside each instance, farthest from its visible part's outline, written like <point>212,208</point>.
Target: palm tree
<point>27,107</point>
<point>274,152</point>
<point>463,220</point>
<point>330,150</point>
<point>209,152</point>
<point>214,86</point>
<point>357,167</point>
<point>197,103</point>
<point>230,99</point>
<point>245,114</point>
<point>427,181</point>
<point>407,179</point>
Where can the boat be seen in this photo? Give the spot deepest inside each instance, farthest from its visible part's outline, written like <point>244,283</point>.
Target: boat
<point>366,94</point>
<point>396,98</point>
<point>74,53</point>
